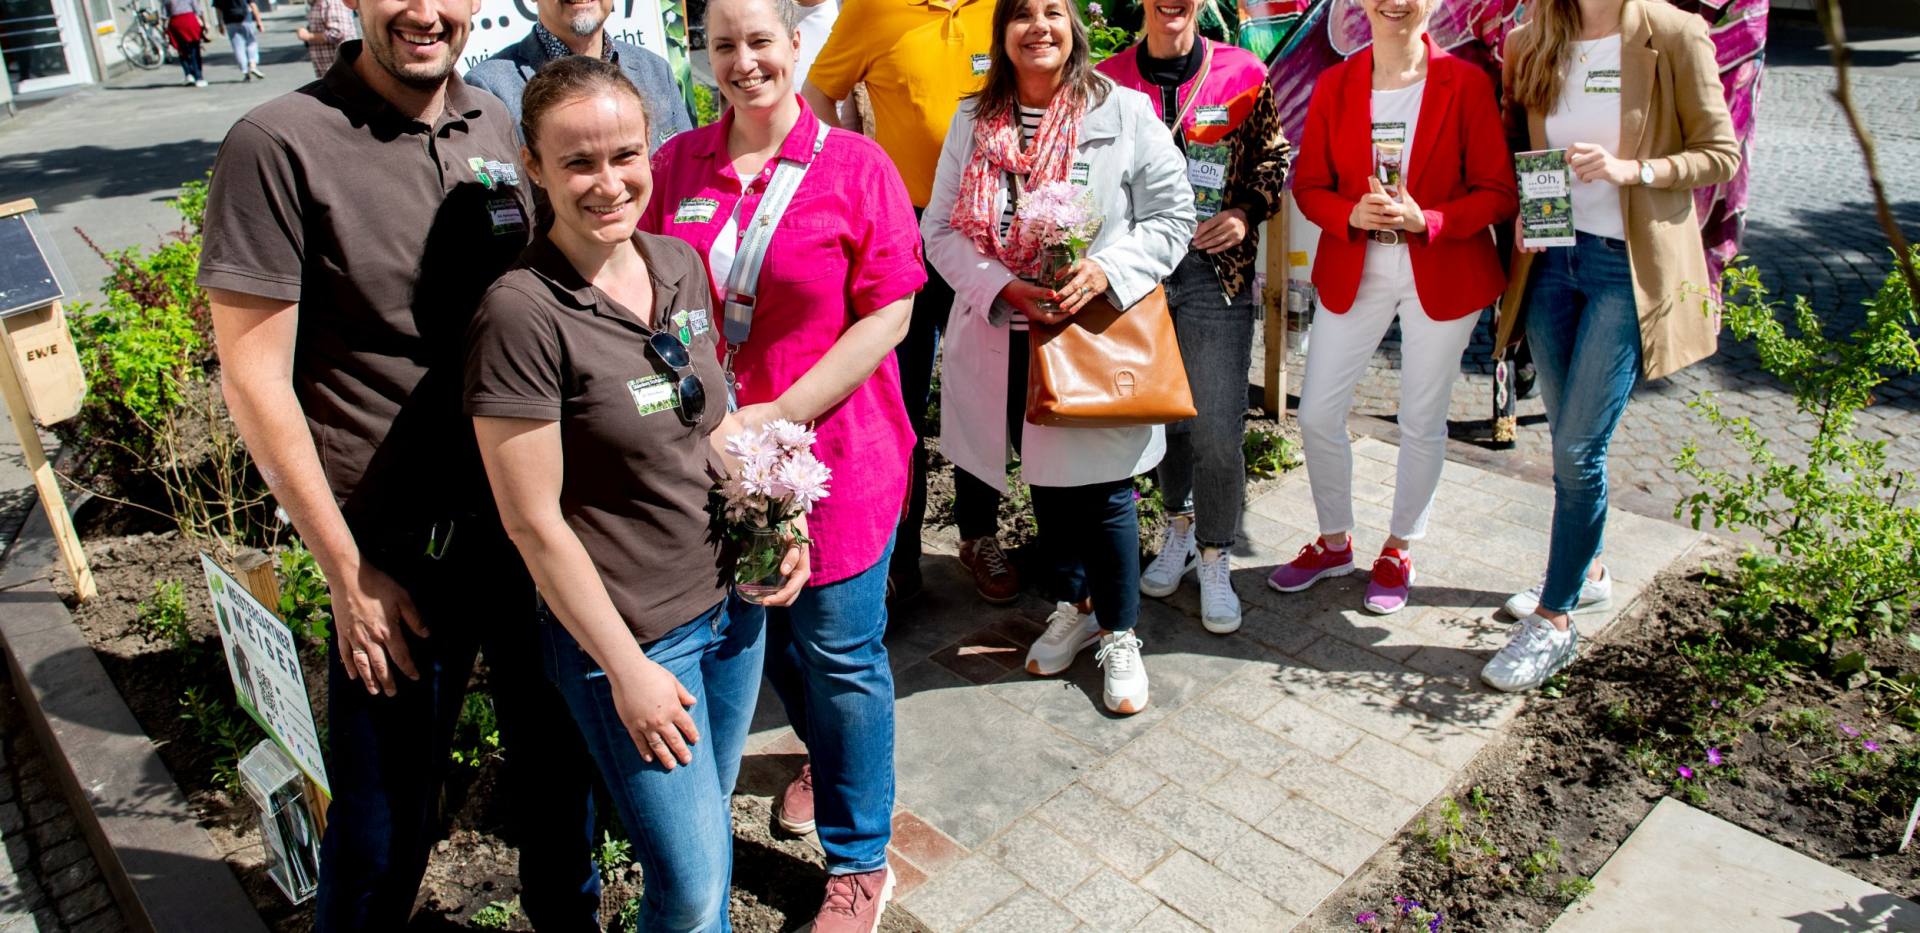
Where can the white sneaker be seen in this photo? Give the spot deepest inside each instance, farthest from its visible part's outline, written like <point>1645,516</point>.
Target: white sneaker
<point>1219,604</point>
<point>1536,652</point>
<point>1595,595</point>
<point>1125,687</point>
<point>200,82</point>
<point>1068,633</point>
<point>1178,554</point>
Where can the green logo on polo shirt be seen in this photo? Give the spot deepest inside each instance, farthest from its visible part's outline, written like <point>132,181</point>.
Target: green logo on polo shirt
<point>490,173</point>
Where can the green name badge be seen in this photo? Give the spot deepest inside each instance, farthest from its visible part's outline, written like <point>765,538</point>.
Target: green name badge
<point>1603,81</point>
<point>695,210</point>
<point>980,63</point>
<point>506,216</point>
<point>652,394</point>
<point>1210,116</point>
<point>1080,174</point>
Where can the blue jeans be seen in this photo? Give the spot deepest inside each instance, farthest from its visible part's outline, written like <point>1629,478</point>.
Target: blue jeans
<point>1205,470</point>
<point>680,821</point>
<point>1094,533</point>
<point>387,756</point>
<point>1584,327</point>
<point>246,45</point>
<point>829,666</point>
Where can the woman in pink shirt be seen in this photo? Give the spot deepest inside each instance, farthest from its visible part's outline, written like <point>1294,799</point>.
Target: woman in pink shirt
<point>832,298</point>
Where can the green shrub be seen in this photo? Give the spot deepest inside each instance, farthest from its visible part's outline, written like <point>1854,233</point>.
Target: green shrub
<point>306,605</point>
<point>162,617</point>
<point>1840,530</point>
<point>1268,453</point>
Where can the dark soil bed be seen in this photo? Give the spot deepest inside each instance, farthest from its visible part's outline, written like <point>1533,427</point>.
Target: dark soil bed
<point>777,879</point>
<point>1565,785</point>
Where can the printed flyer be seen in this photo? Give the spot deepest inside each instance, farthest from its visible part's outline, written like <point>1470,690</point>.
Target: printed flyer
<point>265,662</point>
<point>1546,197</point>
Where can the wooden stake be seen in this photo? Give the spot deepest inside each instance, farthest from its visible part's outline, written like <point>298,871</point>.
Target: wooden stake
<point>255,569</point>
<point>1274,366</point>
<point>44,481</point>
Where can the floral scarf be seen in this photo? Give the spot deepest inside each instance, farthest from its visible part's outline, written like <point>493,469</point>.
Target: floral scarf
<point>996,150</point>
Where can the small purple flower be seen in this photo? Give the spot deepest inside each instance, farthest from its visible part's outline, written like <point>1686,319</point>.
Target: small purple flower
<point>1365,918</point>
<point>1713,757</point>
<point>1686,773</point>
<point>1849,731</point>
<point>1714,703</point>
<point>1870,745</point>
<point>1095,10</point>
<point>1433,926</point>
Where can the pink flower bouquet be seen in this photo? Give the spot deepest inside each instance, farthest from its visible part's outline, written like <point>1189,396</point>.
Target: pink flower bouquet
<point>778,481</point>
<point>1058,217</point>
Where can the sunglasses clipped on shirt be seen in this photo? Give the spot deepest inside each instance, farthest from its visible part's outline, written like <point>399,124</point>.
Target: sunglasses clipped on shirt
<point>691,395</point>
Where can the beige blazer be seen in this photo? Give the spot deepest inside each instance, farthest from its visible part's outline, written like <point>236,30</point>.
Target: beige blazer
<point>1672,110</point>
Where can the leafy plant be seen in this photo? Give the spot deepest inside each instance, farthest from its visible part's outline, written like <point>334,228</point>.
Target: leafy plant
<point>497,915</point>
<point>1103,40</point>
<point>706,105</point>
<point>1840,530</point>
<point>476,737</point>
<point>306,605</point>
<point>613,854</point>
<point>1150,499</point>
<point>629,918</point>
<point>162,617</point>
<point>1268,453</point>
<point>225,730</point>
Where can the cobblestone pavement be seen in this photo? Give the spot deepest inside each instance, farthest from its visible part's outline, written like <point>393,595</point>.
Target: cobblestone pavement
<point>1269,765</point>
<point>48,879</point>
<point>1810,228</point>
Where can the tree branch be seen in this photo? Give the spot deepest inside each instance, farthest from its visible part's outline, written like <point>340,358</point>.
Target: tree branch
<point>1836,30</point>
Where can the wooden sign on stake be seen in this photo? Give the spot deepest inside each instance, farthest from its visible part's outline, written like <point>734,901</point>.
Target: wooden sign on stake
<point>39,372</point>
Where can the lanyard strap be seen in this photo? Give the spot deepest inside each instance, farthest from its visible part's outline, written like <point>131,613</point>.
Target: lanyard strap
<point>743,281</point>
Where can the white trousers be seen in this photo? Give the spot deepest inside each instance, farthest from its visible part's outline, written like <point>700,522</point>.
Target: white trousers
<point>1338,350</point>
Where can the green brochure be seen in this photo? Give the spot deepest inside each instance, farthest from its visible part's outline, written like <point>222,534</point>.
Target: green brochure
<point>1546,198</point>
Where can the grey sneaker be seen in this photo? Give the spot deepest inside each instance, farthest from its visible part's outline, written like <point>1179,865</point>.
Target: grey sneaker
<point>1178,556</point>
<point>1595,595</point>
<point>1536,652</point>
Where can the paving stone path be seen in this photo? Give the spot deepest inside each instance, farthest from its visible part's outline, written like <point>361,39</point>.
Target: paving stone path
<point>1270,765</point>
<point>48,879</point>
<point>1810,228</point>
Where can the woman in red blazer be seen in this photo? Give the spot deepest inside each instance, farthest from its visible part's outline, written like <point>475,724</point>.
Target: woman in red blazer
<point>1403,167</point>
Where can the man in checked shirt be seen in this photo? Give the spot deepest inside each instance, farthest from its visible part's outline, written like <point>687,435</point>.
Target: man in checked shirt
<point>329,23</point>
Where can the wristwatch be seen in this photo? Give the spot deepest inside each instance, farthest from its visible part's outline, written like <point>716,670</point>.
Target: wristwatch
<point>1646,173</point>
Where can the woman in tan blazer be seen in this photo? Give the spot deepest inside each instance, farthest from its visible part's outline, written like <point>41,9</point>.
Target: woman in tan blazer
<point>1631,90</point>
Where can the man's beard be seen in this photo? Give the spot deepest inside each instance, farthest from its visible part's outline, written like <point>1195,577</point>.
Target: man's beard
<point>432,77</point>
<point>584,25</point>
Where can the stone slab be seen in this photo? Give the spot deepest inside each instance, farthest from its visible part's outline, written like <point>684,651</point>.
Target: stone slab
<point>1686,869</point>
<point>161,866</point>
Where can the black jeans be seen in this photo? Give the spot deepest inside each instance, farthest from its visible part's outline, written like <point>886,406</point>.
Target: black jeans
<point>1092,531</point>
<point>916,355</point>
<point>387,756</point>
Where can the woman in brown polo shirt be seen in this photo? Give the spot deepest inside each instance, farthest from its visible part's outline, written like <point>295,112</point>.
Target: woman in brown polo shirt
<point>597,426</point>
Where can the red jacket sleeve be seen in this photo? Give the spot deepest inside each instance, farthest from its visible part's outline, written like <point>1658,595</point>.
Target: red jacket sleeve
<point>1316,184</point>
<point>1493,194</point>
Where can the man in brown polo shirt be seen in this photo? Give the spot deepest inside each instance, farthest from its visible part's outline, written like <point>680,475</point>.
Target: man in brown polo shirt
<point>351,229</point>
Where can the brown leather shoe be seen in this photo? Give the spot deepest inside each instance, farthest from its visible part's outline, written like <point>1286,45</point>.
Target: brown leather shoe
<point>993,575</point>
<point>854,903</point>
<point>796,803</point>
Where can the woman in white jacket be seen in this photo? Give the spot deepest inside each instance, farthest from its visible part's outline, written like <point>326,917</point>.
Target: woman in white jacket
<point>1044,116</point>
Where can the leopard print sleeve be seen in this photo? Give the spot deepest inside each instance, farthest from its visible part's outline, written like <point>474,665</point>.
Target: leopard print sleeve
<point>1257,176</point>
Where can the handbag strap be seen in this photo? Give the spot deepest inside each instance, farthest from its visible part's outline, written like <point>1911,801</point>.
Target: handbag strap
<point>743,282</point>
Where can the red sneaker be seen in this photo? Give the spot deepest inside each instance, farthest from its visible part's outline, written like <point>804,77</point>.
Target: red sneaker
<point>795,812</point>
<point>1315,563</point>
<point>1392,582</point>
<point>854,903</point>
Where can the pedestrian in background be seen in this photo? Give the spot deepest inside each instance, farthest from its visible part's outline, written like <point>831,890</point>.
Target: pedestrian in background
<point>329,23</point>
<point>918,59</point>
<point>1046,117</point>
<point>242,21</point>
<point>1403,167</point>
<point>1631,90</point>
<point>187,29</point>
<point>1216,101</point>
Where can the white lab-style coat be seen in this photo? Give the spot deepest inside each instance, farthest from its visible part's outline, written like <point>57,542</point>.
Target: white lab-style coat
<point>1139,183</point>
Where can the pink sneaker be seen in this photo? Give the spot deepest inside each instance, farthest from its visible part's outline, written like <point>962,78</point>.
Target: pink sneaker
<point>854,903</point>
<point>1315,563</point>
<point>796,803</point>
<point>1392,581</point>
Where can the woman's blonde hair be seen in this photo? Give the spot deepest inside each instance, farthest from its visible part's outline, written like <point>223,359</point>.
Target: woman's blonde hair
<point>1539,66</point>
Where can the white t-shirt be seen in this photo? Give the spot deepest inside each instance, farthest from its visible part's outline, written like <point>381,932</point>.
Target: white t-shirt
<point>816,23</point>
<point>1589,112</point>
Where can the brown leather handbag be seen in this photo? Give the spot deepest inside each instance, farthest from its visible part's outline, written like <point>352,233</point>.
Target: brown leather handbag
<point>1105,368</point>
